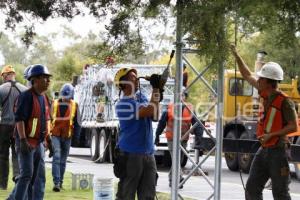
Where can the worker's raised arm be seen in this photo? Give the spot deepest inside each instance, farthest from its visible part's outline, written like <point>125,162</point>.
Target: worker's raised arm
<point>152,109</point>
<point>243,68</point>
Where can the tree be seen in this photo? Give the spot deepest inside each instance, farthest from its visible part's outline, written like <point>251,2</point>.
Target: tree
<point>12,52</point>
<point>204,21</point>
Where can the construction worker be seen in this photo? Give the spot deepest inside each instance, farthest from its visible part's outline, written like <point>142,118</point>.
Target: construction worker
<point>64,126</point>
<point>40,181</point>
<point>188,119</point>
<point>32,121</point>
<point>135,163</point>
<point>277,119</point>
<point>9,91</point>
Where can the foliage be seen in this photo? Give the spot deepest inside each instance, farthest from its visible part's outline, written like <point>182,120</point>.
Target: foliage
<point>11,51</point>
<point>203,20</point>
<point>64,70</point>
<point>41,51</point>
<point>208,26</point>
<point>288,57</point>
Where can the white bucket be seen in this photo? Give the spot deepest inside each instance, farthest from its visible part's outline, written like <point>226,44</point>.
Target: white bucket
<point>103,188</point>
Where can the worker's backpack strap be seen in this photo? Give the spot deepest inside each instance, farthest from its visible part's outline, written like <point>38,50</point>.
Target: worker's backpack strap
<point>13,84</point>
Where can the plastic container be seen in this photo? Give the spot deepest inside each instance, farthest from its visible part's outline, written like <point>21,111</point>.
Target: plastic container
<point>103,188</point>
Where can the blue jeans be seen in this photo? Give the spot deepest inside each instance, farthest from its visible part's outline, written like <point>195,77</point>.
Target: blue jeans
<point>40,181</point>
<point>61,147</point>
<point>29,164</point>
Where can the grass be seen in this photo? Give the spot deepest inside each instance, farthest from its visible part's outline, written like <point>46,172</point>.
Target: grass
<point>67,193</point>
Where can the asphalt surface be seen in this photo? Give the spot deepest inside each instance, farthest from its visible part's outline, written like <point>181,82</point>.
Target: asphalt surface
<point>196,187</point>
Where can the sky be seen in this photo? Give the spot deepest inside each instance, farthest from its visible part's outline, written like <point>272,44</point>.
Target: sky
<point>79,24</point>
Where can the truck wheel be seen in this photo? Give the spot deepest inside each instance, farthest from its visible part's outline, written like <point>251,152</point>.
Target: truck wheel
<point>158,159</point>
<point>167,160</point>
<point>297,165</point>
<point>115,138</point>
<point>232,158</point>
<point>183,160</point>
<point>94,145</point>
<point>102,146</point>
<point>245,159</point>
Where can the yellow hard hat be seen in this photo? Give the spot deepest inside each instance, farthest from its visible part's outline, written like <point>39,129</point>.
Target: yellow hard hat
<point>122,72</point>
<point>7,69</point>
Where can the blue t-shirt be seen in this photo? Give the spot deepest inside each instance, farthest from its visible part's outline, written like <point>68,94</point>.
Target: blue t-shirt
<point>135,133</point>
<point>25,107</point>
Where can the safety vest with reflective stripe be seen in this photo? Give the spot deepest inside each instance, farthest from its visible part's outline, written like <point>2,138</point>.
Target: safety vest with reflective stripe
<point>33,125</point>
<point>185,121</point>
<point>272,121</point>
<point>62,126</point>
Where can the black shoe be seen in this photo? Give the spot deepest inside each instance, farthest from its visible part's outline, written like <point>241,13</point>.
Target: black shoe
<point>56,188</point>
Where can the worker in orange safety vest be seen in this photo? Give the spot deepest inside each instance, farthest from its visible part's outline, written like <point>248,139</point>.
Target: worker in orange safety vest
<point>166,123</point>
<point>277,119</point>
<point>65,125</point>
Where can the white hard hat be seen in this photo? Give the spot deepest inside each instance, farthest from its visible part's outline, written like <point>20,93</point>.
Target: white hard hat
<point>271,70</point>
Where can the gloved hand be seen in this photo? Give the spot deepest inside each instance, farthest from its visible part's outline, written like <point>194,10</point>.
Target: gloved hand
<point>155,80</point>
<point>156,142</point>
<point>48,145</point>
<point>24,146</point>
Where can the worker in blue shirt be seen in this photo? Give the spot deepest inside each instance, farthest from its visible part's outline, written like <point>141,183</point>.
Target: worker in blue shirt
<point>32,121</point>
<point>135,164</point>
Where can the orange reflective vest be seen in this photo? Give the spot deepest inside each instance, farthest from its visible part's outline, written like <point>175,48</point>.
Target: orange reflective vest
<point>185,121</point>
<point>272,121</point>
<point>33,125</point>
<point>62,126</point>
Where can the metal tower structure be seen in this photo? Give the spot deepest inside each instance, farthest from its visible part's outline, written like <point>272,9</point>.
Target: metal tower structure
<point>178,113</point>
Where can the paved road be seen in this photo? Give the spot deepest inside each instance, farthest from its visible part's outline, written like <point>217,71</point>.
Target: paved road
<point>196,187</point>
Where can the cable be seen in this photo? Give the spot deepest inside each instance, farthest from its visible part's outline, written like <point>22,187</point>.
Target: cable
<point>235,98</point>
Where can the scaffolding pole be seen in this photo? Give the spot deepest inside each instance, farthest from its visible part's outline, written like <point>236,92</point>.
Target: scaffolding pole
<point>219,134</point>
<point>177,107</point>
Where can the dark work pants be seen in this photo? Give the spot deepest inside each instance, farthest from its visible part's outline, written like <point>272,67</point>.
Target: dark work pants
<point>170,148</point>
<point>7,141</point>
<point>269,163</point>
<point>140,178</point>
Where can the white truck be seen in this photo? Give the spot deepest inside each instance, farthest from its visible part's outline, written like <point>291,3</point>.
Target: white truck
<point>96,96</point>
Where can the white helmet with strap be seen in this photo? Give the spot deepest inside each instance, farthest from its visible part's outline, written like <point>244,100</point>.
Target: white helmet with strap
<point>271,70</point>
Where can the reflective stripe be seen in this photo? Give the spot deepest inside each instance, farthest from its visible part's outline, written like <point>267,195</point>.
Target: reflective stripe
<point>271,119</point>
<point>55,107</point>
<point>73,110</point>
<point>33,128</point>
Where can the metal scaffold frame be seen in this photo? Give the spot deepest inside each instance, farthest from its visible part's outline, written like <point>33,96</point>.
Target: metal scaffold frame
<point>177,120</point>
